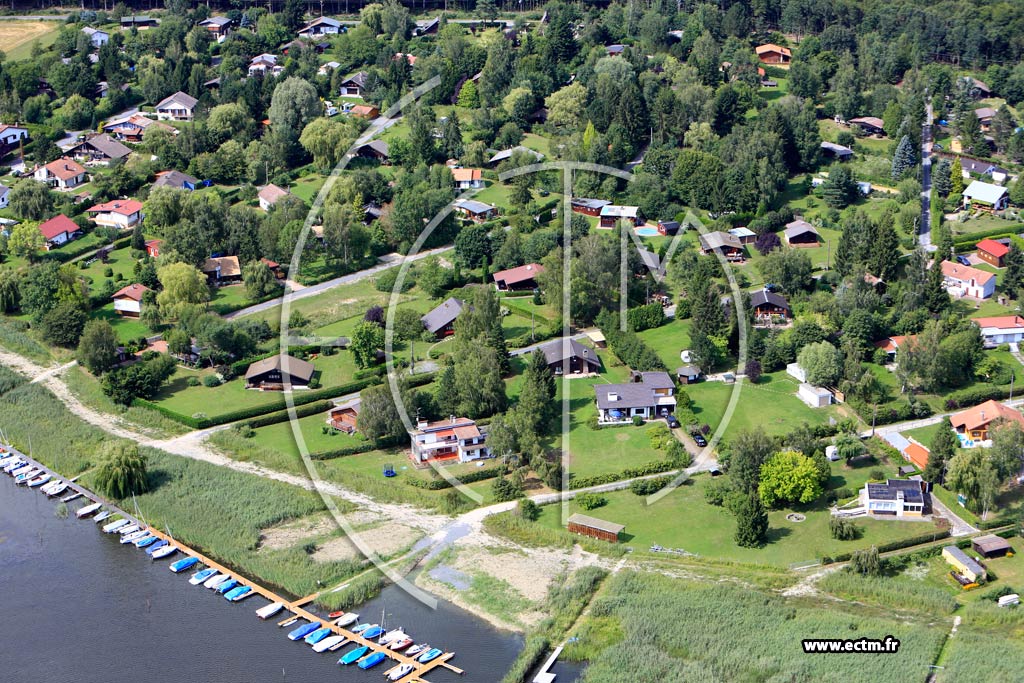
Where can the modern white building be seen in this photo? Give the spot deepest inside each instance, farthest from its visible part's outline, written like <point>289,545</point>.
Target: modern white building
<point>1001,329</point>
<point>966,281</point>
<point>120,213</point>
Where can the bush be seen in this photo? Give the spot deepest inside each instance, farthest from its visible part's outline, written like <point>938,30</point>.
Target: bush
<point>211,381</point>
<point>843,529</point>
<point>877,475</point>
<point>193,381</point>
<point>716,492</point>
<point>648,487</point>
<point>678,454</point>
<point>638,421</point>
<point>645,317</point>
<point>529,510</point>
<point>590,501</point>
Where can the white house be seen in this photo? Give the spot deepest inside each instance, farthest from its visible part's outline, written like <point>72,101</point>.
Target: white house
<point>647,395</point>
<point>894,498</point>
<point>986,196</point>
<point>1001,329</point>
<point>58,230</point>
<point>468,178</point>
<point>62,174</point>
<point>178,107</point>
<point>320,26</point>
<point>97,37</point>
<point>961,281</point>
<point>11,137</point>
<point>353,85</point>
<point>455,438</point>
<point>266,62</point>
<point>815,397</point>
<point>5,196</point>
<point>128,301</point>
<point>120,213</point>
<point>271,194</point>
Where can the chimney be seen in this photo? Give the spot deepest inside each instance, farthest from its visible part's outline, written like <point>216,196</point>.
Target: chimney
<point>983,416</point>
<point>452,418</point>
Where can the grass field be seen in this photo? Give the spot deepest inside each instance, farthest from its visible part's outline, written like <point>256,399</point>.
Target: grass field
<point>17,37</point>
<point>683,519</point>
<point>126,328</point>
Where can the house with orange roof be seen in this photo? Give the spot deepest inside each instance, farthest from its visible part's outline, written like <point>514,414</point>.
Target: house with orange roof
<point>61,174</point>
<point>122,214</point>
<point>128,300</point>
<point>457,438</point>
<point>965,281</point>
<point>975,423</point>
<point>59,230</point>
<point>773,54</point>
<point>1001,329</point>
<point>468,178</point>
<point>892,344</point>
<point>992,252</point>
<point>917,454</point>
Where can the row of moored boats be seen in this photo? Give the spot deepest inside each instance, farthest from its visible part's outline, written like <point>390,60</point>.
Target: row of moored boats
<point>321,636</point>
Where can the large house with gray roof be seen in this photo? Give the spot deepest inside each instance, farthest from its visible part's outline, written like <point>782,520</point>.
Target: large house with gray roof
<point>573,358</point>
<point>647,395</point>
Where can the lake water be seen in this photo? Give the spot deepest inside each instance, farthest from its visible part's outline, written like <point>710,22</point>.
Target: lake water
<point>79,607</point>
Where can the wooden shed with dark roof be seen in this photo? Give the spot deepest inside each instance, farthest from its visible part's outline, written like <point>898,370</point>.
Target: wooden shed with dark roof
<point>991,545</point>
<point>276,372</point>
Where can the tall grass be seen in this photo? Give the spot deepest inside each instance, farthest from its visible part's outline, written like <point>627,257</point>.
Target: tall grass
<point>888,592</point>
<point>524,532</point>
<point>14,336</point>
<point>9,379</point>
<point>675,630</point>
<point>39,424</point>
<point>972,656</point>
<point>87,389</point>
<point>362,589</point>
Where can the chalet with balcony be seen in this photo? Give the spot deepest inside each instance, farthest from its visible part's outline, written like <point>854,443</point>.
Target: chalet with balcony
<point>457,438</point>
<point>729,245</point>
<point>570,358</point>
<point>440,322</point>
<point>773,54</point>
<point>278,372</point>
<point>128,300</point>
<point>122,214</point>
<point>11,137</point>
<point>62,174</point>
<point>344,417</point>
<point>178,107</point>
<point>647,395</point>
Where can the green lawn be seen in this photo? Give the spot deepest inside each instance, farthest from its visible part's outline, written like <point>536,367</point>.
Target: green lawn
<point>683,519</point>
<point>230,298</point>
<point>925,435</point>
<point>305,188</point>
<point>120,263</point>
<point>668,340</point>
<point>126,328</point>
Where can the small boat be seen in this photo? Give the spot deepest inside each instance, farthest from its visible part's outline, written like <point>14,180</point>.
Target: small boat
<point>147,540</point>
<point>52,485</point>
<point>216,580</point>
<point>183,564</point>
<point>347,618</point>
<point>20,469</point>
<point>401,644</point>
<point>269,610</point>
<point>401,672</point>
<point>201,576</point>
<point>335,615</point>
<point>327,643</point>
<point>102,516</point>
<point>74,496</point>
<point>317,635</point>
<point>303,631</point>
<point>115,525</point>
<point>58,489</point>
<point>246,592</point>
<point>431,654</point>
<point>372,632</point>
<point>130,529</point>
<point>132,537</point>
<point>27,475</point>
<point>236,593</point>
<point>354,656</point>
<point>226,586</point>
<point>392,636</point>
<point>372,660</point>
<point>11,467</point>
<point>153,547</point>
<point>165,551</point>
<point>87,510</point>
<point>417,649</point>
<point>39,481</point>
<point>359,628</point>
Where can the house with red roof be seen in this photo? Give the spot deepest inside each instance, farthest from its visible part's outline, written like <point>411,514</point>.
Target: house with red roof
<point>1001,329</point>
<point>128,301</point>
<point>468,178</point>
<point>992,252</point>
<point>153,248</point>
<point>964,281</point>
<point>893,344</point>
<point>770,53</point>
<point>61,174</point>
<point>122,214</point>
<point>58,230</point>
<point>518,278</point>
<point>975,423</point>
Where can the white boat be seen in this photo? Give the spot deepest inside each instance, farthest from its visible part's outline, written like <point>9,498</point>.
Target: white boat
<point>270,610</point>
<point>54,483</point>
<point>134,536</point>
<point>401,672</point>
<point>392,636</point>
<point>327,643</point>
<point>39,481</point>
<point>347,619</point>
<point>25,473</point>
<point>87,510</point>
<point>102,516</point>
<point>130,529</point>
<point>216,580</point>
<point>201,575</point>
<point>115,525</point>
<point>74,496</point>
<point>11,467</point>
<point>60,488</point>
<point>165,551</point>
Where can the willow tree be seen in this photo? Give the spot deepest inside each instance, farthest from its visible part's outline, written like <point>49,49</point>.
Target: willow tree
<point>121,470</point>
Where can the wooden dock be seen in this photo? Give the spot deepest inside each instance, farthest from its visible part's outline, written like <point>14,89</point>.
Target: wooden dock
<point>295,608</point>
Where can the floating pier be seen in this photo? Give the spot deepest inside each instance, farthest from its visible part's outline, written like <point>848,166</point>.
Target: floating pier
<point>295,608</point>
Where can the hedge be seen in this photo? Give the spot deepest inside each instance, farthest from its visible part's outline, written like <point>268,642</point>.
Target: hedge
<point>282,415</point>
<point>468,478</point>
<point>71,253</point>
<point>342,452</point>
<point>646,317</point>
<point>628,473</point>
<point>900,544</point>
<point>967,242</point>
<point>889,413</point>
<point>975,395</point>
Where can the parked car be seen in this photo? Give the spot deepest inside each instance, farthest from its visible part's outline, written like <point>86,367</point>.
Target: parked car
<point>700,440</point>
<point>963,260</point>
<point>673,423</point>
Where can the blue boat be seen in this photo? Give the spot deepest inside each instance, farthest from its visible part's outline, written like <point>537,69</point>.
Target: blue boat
<point>183,564</point>
<point>432,653</point>
<point>372,632</point>
<point>145,540</point>
<point>236,592</point>
<point>354,656</point>
<point>201,576</point>
<point>226,586</point>
<point>153,547</point>
<point>372,661</point>
<point>303,631</point>
<point>242,591</point>
<point>359,628</point>
<point>318,635</point>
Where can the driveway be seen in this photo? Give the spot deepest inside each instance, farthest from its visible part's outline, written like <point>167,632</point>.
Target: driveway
<point>958,527</point>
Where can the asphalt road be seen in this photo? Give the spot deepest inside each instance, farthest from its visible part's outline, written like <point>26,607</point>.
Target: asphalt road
<point>925,231</point>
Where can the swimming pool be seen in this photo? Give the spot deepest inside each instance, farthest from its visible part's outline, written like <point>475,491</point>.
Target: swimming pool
<point>647,231</point>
